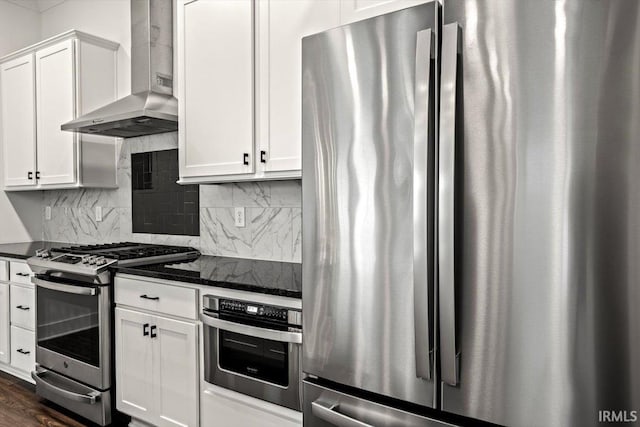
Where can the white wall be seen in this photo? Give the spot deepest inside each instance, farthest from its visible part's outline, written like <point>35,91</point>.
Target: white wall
<point>110,19</point>
<point>20,213</point>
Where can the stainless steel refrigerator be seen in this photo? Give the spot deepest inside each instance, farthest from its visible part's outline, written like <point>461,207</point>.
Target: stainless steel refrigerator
<point>471,215</point>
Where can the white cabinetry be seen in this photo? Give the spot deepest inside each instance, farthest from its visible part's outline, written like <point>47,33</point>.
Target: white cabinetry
<point>355,10</point>
<point>156,359</point>
<point>17,92</point>
<point>229,50</point>
<point>216,94</point>
<point>44,86</point>
<point>226,408</point>
<point>282,24</point>
<point>17,319</point>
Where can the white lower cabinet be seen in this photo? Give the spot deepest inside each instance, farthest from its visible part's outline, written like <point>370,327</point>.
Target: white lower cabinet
<point>23,351</point>
<point>5,348</point>
<point>226,408</point>
<point>156,362</point>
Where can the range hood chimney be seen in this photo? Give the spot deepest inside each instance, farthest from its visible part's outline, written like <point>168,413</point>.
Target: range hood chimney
<point>151,108</point>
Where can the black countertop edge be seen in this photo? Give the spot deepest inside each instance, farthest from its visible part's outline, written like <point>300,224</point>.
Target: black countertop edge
<point>25,250</point>
<point>201,281</point>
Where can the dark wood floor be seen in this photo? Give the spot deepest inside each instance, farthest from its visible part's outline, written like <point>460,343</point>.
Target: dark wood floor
<point>21,407</point>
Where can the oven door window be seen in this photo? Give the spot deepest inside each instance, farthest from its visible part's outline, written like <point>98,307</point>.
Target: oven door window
<point>69,324</point>
<point>254,357</point>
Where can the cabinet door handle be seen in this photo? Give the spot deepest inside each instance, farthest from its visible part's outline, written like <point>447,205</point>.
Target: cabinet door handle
<point>153,331</point>
<point>22,307</point>
<point>145,296</point>
<point>22,274</point>
<point>37,174</point>
<point>29,175</point>
<point>21,351</point>
<point>245,159</point>
<point>263,157</point>
<point>145,330</point>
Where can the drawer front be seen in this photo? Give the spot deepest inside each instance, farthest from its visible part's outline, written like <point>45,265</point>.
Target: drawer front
<point>20,272</point>
<point>23,307</point>
<point>23,351</point>
<point>4,270</point>
<point>158,297</point>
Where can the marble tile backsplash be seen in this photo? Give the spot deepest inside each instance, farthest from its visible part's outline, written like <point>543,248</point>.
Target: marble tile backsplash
<point>272,213</point>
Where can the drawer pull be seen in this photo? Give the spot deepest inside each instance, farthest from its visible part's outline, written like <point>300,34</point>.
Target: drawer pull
<point>22,274</point>
<point>21,351</point>
<point>22,307</point>
<point>145,296</point>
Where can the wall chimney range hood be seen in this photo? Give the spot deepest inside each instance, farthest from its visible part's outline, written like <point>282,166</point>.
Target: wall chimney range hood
<point>151,108</point>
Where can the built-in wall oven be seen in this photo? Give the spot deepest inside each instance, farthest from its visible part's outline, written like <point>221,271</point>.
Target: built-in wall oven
<point>253,349</point>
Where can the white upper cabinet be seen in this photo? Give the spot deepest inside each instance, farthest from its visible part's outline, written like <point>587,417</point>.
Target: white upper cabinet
<point>229,51</point>
<point>19,120</point>
<point>216,131</point>
<point>55,76</point>
<point>355,10</point>
<point>282,24</point>
<point>44,86</point>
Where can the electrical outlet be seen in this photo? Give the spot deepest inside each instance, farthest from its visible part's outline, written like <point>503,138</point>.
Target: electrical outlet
<point>47,213</point>
<point>98,213</point>
<point>239,217</point>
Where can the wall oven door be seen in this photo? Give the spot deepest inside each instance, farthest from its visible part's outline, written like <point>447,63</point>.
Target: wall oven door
<point>255,358</point>
<point>73,329</point>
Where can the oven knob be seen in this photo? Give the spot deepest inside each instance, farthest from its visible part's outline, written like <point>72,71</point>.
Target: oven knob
<point>101,261</point>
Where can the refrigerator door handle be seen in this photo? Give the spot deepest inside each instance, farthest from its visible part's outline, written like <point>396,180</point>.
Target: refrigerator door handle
<point>446,202</point>
<point>423,141</point>
<point>329,412</point>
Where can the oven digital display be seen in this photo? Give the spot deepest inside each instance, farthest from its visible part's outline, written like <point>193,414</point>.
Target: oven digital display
<point>68,259</point>
<point>251,309</point>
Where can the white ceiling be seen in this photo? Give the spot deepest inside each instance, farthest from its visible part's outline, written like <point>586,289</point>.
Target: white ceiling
<point>37,5</point>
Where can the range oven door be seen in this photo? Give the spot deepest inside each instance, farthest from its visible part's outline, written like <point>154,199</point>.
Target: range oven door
<point>73,330</point>
<point>253,360</point>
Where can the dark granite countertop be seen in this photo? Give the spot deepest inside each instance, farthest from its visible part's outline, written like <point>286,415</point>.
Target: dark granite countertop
<point>268,277</point>
<point>26,250</point>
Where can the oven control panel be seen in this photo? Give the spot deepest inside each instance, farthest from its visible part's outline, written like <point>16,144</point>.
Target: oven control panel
<point>258,310</point>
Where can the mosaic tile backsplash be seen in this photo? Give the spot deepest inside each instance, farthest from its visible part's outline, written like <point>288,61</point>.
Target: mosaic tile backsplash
<point>272,213</point>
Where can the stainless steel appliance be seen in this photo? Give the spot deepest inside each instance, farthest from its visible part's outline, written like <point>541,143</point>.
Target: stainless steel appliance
<point>471,182</point>
<point>254,349</point>
<point>74,321</point>
<point>151,108</point>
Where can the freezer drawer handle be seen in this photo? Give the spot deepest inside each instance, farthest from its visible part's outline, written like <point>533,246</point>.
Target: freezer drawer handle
<point>90,398</point>
<point>329,412</point>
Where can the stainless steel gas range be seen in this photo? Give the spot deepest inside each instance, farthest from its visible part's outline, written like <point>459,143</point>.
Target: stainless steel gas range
<point>74,321</point>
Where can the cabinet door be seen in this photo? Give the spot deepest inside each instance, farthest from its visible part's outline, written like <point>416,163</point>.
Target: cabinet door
<point>19,121</point>
<point>175,373</point>
<point>55,101</point>
<point>134,369</point>
<point>355,10</point>
<point>282,24</point>
<point>226,408</point>
<point>216,94</point>
<point>5,348</point>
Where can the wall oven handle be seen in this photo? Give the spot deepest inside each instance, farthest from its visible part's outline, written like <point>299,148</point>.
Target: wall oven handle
<point>329,412</point>
<point>70,289</point>
<point>423,140</point>
<point>252,331</point>
<point>446,202</point>
<point>90,398</point>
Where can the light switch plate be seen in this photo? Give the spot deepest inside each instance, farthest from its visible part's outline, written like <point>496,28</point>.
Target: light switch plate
<point>47,213</point>
<point>239,217</point>
<point>98,213</point>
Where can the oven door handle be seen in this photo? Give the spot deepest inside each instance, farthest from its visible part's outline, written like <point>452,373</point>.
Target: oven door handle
<point>252,331</point>
<point>70,289</point>
<point>90,398</point>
